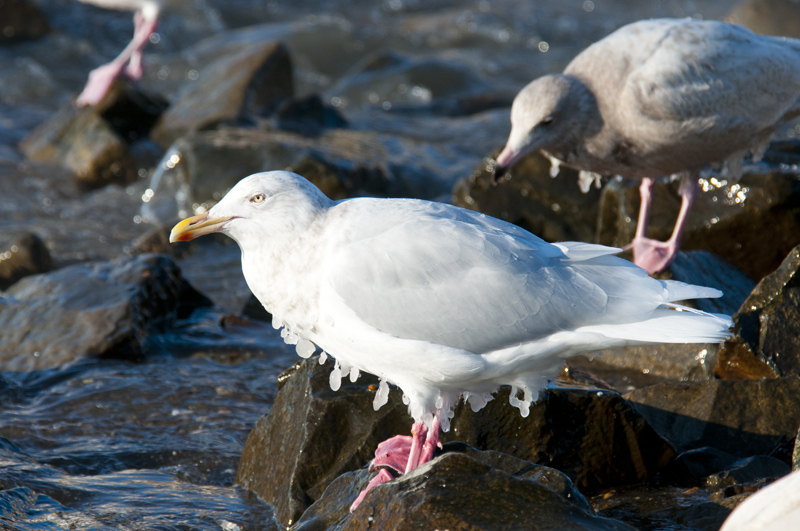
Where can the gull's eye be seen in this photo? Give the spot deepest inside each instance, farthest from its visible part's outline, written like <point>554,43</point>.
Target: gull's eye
<point>257,198</point>
<point>546,120</point>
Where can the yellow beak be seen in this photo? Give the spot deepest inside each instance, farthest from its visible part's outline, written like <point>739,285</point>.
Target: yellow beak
<point>196,226</point>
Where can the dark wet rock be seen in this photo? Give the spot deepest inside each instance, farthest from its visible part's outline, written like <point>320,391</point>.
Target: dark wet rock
<point>84,142</point>
<point>595,437</point>
<point>200,169</point>
<point>307,116</point>
<point>627,368</point>
<point>748,470</point>
<point>21,254</point>
<point>702,516</point>
<point>552,208</point>
<point>702,462</point>
<point>312,435</point>
<point>460,490</point>
<point>97,309</point>
<point>768,17</point>
<point>706,269</point>
<point>740,417</point>
<point>21,20</point>
<point>752,224</point>
<point>386,78</point>
<point>94,142</point>
<point>767,328</point>
<point>253,81</point>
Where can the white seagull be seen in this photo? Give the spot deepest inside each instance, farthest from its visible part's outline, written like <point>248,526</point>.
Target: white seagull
<point>443,302</point>
<point>658,98</point>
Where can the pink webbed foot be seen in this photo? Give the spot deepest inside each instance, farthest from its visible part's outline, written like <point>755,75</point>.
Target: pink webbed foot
<point>652,255</point>
<point>392,453</point>
<point>100,81</point>
<point>402,454</point>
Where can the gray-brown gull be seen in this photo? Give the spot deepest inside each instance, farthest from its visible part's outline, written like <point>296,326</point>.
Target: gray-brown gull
<point>443,302</point>
<point>658,98</point>
<point>129,61</point>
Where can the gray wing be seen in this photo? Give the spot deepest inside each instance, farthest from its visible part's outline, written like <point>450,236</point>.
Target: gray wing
<point>441,274</point>
<point>722,72</point>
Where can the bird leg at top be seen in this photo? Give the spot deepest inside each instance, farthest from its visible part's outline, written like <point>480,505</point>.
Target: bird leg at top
<point>128,61</point>
<point>403,454</point>
<point>653,255</point>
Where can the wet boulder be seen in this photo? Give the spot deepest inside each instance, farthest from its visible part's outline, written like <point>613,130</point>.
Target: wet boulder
<point>752,223</point>
<point>312,435</point>
<point>387,79</point>
<point>554,209</point>
<point>96,309</point>
<point>740,417</point>
<point>94,142</point>
<point>21,20</point>
<point>461,489</point>
<point>22,253</point>
<point>250,81</point>
<point>755,469</point>
<point>593,436</point>
<point>767,328</point>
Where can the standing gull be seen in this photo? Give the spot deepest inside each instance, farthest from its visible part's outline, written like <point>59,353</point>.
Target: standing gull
<point>443,302</point>
<point>657,98</point>
<point>129,61</point>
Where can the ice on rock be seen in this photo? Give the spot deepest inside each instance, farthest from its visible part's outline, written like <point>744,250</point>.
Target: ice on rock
<point>336,377</point>
<point>382,396</point>
<point>354,374</point>
<point>305,348</point>
<point>523,405</point>
<point>477,402</point>
<point>289,337</point>
<point>323,357</point>
<point>586,179</point>
<point>276,322</point>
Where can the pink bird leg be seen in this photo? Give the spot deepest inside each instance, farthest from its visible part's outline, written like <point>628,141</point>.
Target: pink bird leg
<point>653,255</point>
<point>414,450</point>
<point>129,61</point>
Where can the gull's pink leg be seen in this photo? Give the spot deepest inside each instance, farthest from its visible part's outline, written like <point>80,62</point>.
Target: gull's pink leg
<point>418,432</point>
<point>431,442</point>
<point>653,255</point>
<point>102,77</point>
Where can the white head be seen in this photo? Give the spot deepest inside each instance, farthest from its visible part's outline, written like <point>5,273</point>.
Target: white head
<point>263,205</point>
<point>548,114</point>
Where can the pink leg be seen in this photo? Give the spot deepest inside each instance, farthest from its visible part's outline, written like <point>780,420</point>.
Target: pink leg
<point>431,442</point>
<point>418,431</point>
<point>102,77</point>
<point>653,255</point>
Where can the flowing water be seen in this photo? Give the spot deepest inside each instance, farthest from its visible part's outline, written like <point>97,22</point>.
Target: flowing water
<point>106,444</point>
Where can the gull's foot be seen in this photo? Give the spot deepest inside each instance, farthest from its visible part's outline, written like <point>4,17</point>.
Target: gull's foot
<point>100,81</point>
<point>652,255</point>
<point>393,453</point>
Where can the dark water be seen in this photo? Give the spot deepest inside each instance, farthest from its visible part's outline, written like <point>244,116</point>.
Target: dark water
<point>111,445</point>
